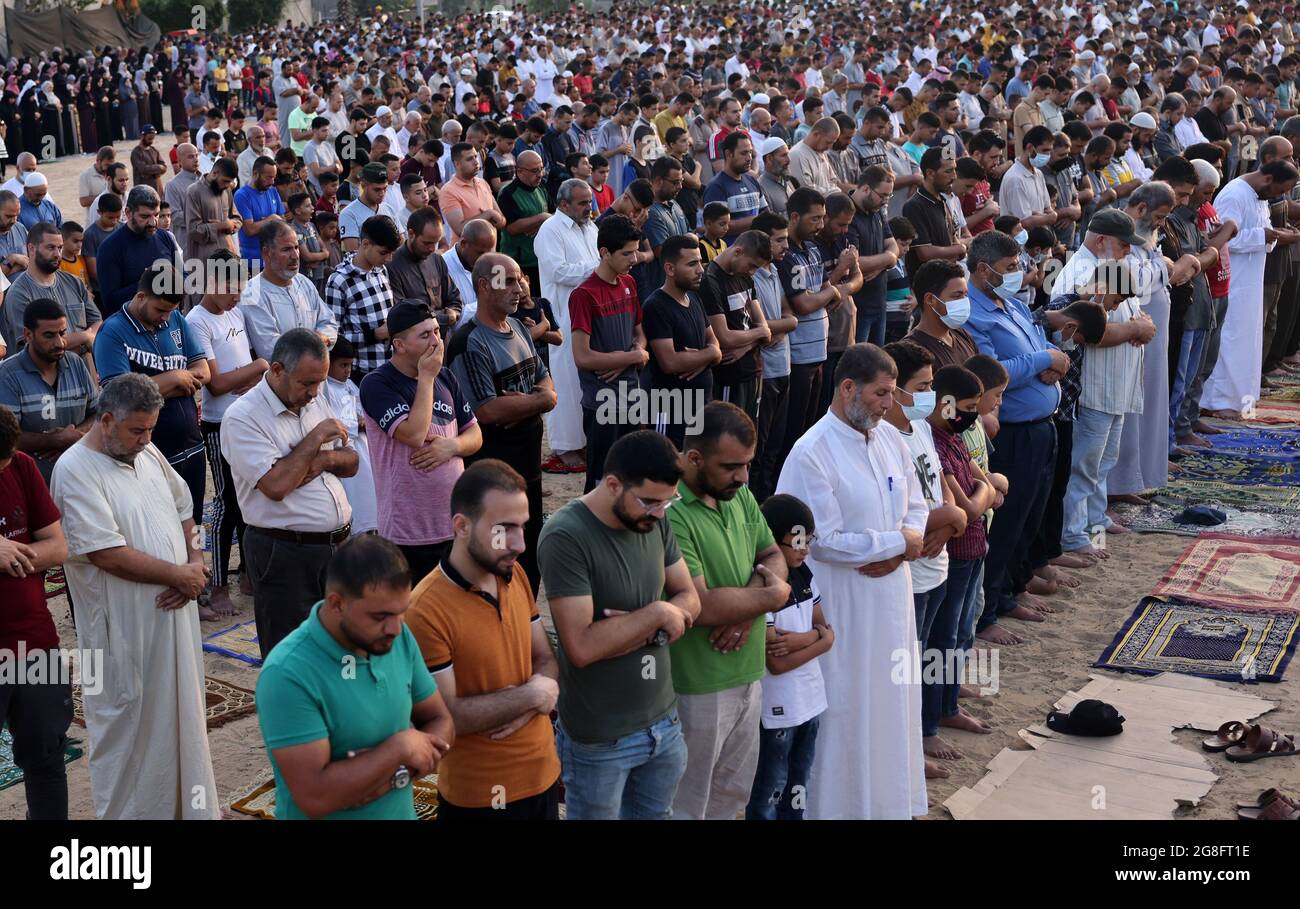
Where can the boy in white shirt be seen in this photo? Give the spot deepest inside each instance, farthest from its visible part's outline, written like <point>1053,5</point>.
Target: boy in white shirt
<point>344,398</point>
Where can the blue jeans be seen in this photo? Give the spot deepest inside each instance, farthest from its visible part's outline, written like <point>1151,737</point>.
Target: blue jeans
<point>871,328</point>
<point>1190,354</point>
<point>1096,449</point>
<point>958,610</point>
<point>928,607</point>
<point>785,758</point>
<point>633,778</point>
<point>971,612</point>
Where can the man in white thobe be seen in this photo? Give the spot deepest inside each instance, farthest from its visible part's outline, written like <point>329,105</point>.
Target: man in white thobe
<point>1233,387</point>
<point>566,256</point>
<point>855,473</point>
<point>135,566</point>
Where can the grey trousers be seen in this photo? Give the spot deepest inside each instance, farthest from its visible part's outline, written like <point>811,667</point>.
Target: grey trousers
<point>288,580</point>
<point>721,731</point>
<point>1191,409</point>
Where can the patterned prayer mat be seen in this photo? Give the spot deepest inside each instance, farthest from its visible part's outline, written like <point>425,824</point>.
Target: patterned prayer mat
<point>1288,392</point>
<point>237,642</point>
<point>1270,410</point>
<point>10,775</point>
<point>55,583</point>
<point>1158,517</point>
<point>259,802</point>
<point>1237,469</point>
<point>1217,569</point>
<point>1169,634</point>
<point>1215,492</point>
<point>1270,444</point>
<point>225,702</point>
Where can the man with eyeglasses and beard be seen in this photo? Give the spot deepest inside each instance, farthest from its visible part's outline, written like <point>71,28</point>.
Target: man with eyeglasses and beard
<point>620,592</point>
<point>853,470</point>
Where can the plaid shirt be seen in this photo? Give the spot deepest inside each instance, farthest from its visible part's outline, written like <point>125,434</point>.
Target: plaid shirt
<point>955,459</point>
<point>1072,383</point>
<point>360,301</point>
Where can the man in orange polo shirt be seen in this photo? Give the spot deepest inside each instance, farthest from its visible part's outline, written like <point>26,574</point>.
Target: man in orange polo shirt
<point>481,635</point>
<point>466,195</point>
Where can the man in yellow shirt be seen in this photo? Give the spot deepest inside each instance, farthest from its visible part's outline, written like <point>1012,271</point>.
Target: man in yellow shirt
<point>674,114</point>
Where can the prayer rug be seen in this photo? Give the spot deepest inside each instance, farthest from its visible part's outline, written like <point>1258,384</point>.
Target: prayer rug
<point>1158,517</point>
<point>1218,569</point>
<point>1269,444</point>
<point>238,642</point>
<point>10,774</point>
<point>1170,634</point>
<point>1214,492</point>
<point>1274,411</point>
<point>1286,392</point>
<point>225,702</point>
<point>259,802</point>
<point>1237,469</point>
<point>55,583</point>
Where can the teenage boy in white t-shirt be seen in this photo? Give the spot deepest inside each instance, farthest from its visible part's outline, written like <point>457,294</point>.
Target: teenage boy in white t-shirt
<point>793,694</point>
<point>218,323</point>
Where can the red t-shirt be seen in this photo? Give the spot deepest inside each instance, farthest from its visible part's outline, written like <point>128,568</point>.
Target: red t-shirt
<point>608,314</point>
<point>604,197</point>
<point>25,505</point>
<point>1207,219</point>
<point>973,201</point>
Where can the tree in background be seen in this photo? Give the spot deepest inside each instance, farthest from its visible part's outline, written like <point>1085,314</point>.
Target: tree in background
<point>172,15</point>
<point>248,13</point>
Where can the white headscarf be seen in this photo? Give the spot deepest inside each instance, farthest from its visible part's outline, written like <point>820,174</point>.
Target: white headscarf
<point>27,86</point>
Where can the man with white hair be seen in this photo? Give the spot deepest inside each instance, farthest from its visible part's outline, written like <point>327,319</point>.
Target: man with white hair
<point>35,205</point>
<point>451,133</point>
<point>410,131</point>
<point>26,164</point>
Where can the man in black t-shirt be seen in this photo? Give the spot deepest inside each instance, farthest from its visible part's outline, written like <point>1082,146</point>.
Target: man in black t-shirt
<point>736,317</point>
<point>683,349</point>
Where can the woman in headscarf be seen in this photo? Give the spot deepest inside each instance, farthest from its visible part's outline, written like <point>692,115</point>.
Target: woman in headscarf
<point>9,128</point>
<point>51,122</point>
<point>29,111</point>
<point>175,92</point>
<point>86,115</point>
<point>103,114</point>
<point>128,106</point>
<point>65,88</point>
<point>154,81</point>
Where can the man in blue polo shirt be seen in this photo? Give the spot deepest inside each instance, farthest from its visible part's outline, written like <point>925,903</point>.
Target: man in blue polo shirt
<point>735,185</point>
<point>349,713</point>
<point>259,204</point>
<point>1002,327</point>
<point>148,335</point>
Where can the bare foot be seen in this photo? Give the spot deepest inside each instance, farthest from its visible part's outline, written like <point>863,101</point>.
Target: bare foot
<point>245,584</point>
<point>935,771</point>
<point>1025,614</point>
<point>1068,580</point>
<point>220,602</point>
<point>996,634</point>
<point>1090,551</point>
<point>1233,415</point>
<point>935,747</point>
<point>969,691</point>
<point>1117,527</point>
<point>1074,560</point>
<point>206,614</point>
<point>1030,601</point>
<point>1041,586</point>
<point>964,720</point>
<point>1206,429</point>
<point>1194,440</point>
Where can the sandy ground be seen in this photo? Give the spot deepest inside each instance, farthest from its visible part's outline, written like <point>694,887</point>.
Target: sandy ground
<point>1032,676</point>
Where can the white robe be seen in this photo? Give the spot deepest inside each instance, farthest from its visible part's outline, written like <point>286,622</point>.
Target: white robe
<point>149,756</point>
<point>869,763</point>
<point>345,400</point>
<point>566,256</point>
<point>1234,384</point>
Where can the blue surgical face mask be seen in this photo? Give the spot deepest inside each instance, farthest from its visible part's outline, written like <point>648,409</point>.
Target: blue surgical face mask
<point>921,407</point>
<point>1040,160</point>
<point>1012,281</point>
<point>958,312</point>
<point>1023,237</point>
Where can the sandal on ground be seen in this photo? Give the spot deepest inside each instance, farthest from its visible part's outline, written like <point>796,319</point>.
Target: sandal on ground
<point>1229,734</point>
<point>1262,743</point>
<point>1269,795</point>
<point>1276,810</point>
<point>555,464</point>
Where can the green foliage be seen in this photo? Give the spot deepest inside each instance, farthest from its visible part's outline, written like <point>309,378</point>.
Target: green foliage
<point>247,13</point>
<point>172,15</point>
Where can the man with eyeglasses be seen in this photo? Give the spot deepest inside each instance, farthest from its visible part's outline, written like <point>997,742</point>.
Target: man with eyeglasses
<point>620,593</point>
<point>524,203</point>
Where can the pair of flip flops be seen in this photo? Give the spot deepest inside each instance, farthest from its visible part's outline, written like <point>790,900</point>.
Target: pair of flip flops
<point>1246,742</point>
<point>1272,805</point>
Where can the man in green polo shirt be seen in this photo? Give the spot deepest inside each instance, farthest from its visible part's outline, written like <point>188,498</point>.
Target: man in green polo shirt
<point>524,203</point>
<point>349,713</point>
<point>740,576</point>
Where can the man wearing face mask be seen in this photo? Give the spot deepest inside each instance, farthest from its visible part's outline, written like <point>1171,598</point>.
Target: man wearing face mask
<point>1002,327</point>
<point>1024,189</point>
<point>940,289</point>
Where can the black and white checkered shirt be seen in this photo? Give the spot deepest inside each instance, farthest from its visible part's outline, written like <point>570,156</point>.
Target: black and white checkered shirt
<point>360,301</point>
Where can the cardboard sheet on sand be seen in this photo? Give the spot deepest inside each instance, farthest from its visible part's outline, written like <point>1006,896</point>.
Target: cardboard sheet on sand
<point>1140,774</point>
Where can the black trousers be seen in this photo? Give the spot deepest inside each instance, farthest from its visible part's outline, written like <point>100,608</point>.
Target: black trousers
<point>423,559</point>
<point>227,519</point>
<point>194,471</point>
<point>745,395</point>
<point>38,716</point>
<point>1047,544</point>
<point>288,579</point>
<point>601,436</point>
<point>525,456</point>
<point>1288,319</point>
<point>805,390</point>
<point>545,806</point>
<point>772,417</point>
<point>1026,455</point>
<point>827,391</point>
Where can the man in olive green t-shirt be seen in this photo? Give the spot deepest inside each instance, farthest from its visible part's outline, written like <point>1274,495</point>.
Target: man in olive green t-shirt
<point>619,593</point>
<point>740,576</point>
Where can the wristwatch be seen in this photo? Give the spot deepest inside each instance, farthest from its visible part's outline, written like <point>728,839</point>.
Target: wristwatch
<point>401,778</point>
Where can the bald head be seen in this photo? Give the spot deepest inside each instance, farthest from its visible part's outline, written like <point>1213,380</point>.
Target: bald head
<point>187,156</point>
<point>477,238</point>
<point>1274,148</point>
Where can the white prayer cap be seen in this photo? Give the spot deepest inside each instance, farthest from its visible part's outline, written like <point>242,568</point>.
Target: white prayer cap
<point>35,179</point>
<point>1087,55</point>
<point>760,98</point>
<point>1206,172</point>
<point>383,111</point>
<point>772,144</point>
<point>1143,120</point>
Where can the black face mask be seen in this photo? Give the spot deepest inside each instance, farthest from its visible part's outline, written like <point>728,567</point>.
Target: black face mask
<point>964,420</point>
